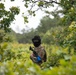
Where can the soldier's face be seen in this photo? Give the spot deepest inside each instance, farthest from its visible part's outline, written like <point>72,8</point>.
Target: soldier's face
<point>36,44</point>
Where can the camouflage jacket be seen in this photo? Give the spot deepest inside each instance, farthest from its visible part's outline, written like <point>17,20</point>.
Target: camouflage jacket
<point>41,52</point>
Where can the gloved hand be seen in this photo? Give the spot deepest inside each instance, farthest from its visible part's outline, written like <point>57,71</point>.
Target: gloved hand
<point>30,48</point>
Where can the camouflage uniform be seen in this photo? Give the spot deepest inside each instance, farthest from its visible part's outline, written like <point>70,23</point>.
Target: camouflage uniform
<point>41,52</point>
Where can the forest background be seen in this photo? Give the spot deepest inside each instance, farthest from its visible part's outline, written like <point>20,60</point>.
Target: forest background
<point>58,35</point>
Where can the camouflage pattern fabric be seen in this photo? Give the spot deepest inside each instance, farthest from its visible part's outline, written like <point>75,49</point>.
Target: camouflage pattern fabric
<point>41,52</point>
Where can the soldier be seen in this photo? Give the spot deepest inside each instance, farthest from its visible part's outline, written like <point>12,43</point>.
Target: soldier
<point>39,50</point>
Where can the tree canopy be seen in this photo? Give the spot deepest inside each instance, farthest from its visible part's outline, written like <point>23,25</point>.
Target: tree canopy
<point>68,10</point>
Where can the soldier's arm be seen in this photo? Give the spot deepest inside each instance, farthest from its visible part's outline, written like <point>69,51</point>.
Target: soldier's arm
<point>42,53</point>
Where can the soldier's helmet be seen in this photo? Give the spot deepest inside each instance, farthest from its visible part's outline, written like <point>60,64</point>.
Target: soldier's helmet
<point>36,41</point>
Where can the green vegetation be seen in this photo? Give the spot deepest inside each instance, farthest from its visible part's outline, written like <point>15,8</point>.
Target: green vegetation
<point>61,52</point>
<point>14,59</point>
<point>58,36</point>
<point>6,17</point>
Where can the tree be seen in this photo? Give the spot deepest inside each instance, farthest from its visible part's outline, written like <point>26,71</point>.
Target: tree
<point>47,23</point>
<point>70,38</point>
<point>26,36</point>
<point>6,17</point>
<point>68,8</point>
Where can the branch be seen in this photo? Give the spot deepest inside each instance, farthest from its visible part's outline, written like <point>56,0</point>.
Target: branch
<point>52,2</point>
<point>46,1</point>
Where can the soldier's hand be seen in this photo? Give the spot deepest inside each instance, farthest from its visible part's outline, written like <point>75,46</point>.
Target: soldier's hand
<point>30,48</point>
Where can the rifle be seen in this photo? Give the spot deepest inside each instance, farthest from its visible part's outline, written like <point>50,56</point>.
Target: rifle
<point>35,53</point>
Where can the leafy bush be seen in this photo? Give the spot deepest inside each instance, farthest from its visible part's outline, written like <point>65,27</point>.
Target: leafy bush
<point>16,61</point>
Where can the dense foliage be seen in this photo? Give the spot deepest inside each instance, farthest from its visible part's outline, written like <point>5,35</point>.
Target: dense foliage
<point>6,17</point>
<point>14,60</point>
<point>15,57</point>
<point>58,36</point>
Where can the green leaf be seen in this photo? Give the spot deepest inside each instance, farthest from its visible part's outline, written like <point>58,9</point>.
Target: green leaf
<point>2,6</point>
<point>59,52</point>
<point>26,5</point>
<point>63,62</point>
<point>26,19</point>
<point>67,57</point>
<point>15,10</point>
<point>4,46</point>
<point>41,3</point>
